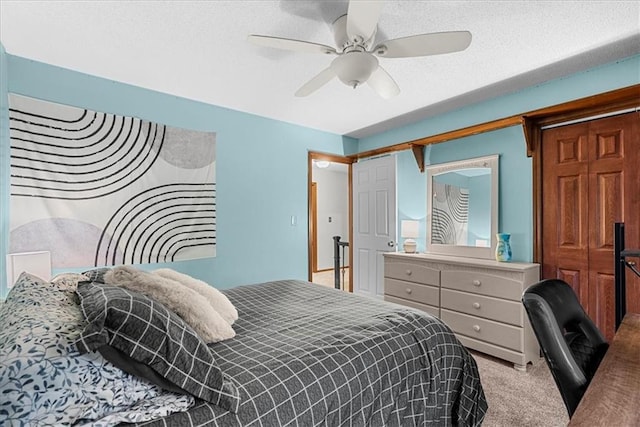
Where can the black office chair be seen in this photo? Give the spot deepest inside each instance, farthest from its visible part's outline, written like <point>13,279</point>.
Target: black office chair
<point>571,343</point>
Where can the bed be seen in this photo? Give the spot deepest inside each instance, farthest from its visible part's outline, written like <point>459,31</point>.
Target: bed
<point>302,354</point>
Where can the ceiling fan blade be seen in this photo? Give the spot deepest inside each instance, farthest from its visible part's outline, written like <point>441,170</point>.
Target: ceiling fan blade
<point>424,44</point>
<point>316,82</point>
<point>290,44</point>
<point>362,18</point>
<point>384,85</point>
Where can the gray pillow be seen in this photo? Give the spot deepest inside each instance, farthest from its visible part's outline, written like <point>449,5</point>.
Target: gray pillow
<point>128,364</point>
<point>149,333</point>
<point>97,274</point>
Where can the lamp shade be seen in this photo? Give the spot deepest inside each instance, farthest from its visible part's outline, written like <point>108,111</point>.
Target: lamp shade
<point>409,229</point>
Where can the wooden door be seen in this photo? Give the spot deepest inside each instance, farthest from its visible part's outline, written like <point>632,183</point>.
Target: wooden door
<point>591,180</point>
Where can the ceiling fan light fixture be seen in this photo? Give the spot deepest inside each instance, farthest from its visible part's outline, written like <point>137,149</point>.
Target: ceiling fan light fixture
<point>354,68</point>
<point>356,61</point>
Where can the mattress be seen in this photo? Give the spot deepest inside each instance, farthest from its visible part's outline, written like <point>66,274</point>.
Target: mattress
<point>309,355</point>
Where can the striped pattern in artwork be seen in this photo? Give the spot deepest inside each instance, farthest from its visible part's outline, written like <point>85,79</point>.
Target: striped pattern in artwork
<point>99,189</point>
<point>158,223</point>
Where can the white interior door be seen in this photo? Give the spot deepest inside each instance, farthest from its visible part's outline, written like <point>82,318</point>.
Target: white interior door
<point>374,221</point>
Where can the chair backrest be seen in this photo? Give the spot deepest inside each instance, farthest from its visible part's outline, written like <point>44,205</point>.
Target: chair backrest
<point>571,343</point>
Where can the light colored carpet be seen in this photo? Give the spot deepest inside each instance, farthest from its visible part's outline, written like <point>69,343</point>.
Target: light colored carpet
<point>517,398</point>
<point>327,278</point>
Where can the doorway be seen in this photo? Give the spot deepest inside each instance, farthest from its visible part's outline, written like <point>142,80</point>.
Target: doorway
<point>330,214</point>
<point>589,180</point>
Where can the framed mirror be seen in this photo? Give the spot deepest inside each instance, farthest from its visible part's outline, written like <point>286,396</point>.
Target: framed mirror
<point>462,207</point>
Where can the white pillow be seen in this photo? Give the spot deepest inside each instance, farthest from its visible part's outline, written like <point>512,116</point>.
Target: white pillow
<point>217,299</point>
<point>186,303</point>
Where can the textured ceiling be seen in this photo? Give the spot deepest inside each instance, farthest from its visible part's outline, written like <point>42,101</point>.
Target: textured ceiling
<point>198,50</point>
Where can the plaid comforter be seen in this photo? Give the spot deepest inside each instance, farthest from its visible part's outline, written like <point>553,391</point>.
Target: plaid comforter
<point>307,355</point>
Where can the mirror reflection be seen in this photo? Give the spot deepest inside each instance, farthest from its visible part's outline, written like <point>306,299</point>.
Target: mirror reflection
<point>461,209</point>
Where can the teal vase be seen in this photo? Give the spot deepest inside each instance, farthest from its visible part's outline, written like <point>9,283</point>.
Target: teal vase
<point>503,247</point>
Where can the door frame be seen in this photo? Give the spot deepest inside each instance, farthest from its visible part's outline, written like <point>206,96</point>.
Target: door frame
<point>315,155</point>
<point>313,221</point>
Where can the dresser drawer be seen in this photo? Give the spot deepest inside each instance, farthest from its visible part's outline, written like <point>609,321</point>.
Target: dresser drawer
<point>483,283</point>
<point>483,306</point>
<point>412,272</point>
<point>486,330</point>
<point>412,291</point>
<point>434,311</point>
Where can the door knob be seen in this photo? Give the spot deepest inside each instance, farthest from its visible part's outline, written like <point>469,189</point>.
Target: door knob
<point>391,243</point>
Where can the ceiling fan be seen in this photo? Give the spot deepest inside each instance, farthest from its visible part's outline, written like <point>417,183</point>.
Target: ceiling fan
<point>356,59</point>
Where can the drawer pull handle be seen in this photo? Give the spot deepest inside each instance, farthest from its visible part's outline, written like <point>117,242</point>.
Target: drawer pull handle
<point>476,305</point>
<point>476,328</point>
<point>408,290</point>
<point>476,282</point>
<point>408,272</point>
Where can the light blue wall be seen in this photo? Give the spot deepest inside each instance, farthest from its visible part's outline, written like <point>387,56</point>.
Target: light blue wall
<point>516,204</point>
<point>261,170</point>
<point>412,203</point>
<point>515,183</point>
<point>604,78</point>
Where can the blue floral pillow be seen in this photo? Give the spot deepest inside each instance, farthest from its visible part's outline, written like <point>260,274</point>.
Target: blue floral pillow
<point>46,381</point>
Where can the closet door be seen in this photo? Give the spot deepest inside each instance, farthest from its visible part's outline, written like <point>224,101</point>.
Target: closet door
<point>591,180</point>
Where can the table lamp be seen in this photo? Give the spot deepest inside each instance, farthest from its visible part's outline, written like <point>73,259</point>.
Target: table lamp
<point>409,231</point>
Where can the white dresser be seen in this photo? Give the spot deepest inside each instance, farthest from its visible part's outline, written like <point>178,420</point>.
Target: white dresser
<point>479,299</point>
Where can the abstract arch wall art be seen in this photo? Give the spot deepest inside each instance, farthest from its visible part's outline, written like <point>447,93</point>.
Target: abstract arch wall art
<point>450,222</point>
<point>100,189</point>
